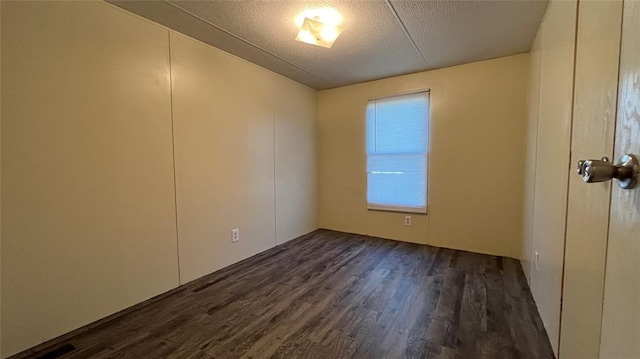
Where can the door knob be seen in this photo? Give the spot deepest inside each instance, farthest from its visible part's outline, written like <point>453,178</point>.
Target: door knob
<point>626,171</point>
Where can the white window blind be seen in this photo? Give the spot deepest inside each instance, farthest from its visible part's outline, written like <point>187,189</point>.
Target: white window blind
<point>397,148</point>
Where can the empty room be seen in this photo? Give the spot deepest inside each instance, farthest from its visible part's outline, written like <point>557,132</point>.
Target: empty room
<point>452,179</point>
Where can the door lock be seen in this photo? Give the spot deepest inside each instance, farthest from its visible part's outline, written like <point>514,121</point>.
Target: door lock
<point>626,171</point>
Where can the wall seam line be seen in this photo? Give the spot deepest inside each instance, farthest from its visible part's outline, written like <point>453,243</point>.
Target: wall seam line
<point>535,172</point>
<point>566,210</point>
<point>173,151</point>
<point>275,186</point>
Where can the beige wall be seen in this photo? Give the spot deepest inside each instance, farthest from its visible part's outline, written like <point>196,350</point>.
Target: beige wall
<point>87,209</point>
<point>0,181</point>
<point>232,128</point>
<point>295,116</point>
<point>89,198</point>
<point>550,128</point>
<point>477,128</point>
<point>533,95</point>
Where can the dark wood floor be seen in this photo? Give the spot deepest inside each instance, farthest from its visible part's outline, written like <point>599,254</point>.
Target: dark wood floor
<point>334,295</point>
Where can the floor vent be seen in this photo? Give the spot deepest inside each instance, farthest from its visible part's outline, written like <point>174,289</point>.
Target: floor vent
<point>58,352</point>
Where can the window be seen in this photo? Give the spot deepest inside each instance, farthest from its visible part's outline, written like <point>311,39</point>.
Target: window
<point>397,148</point>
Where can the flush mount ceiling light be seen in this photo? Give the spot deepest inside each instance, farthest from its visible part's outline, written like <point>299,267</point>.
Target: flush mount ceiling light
<point>319,26</point>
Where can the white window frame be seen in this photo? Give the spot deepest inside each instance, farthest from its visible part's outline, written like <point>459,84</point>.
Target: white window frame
<point>402,209</point>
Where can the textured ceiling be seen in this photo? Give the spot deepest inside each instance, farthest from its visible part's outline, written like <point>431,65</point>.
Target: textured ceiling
<point>380,39</point>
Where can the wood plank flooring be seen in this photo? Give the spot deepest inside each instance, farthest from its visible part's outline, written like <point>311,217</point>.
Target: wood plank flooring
<point>331,295</point>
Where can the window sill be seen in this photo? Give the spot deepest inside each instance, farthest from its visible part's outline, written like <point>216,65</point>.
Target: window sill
<point>397,209</point>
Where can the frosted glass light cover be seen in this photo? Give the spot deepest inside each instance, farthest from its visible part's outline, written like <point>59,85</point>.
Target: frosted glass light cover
<point>316,33</point>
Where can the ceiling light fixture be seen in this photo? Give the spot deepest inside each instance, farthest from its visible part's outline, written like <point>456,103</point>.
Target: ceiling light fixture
<point>319,26</point>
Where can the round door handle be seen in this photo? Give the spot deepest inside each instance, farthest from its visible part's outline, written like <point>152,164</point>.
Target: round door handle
<point>626,171</point>
<point>581,167</point>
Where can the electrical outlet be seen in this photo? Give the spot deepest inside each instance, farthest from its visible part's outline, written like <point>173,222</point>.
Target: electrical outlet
<point>407,221</point>
<point>537,259</point>
<point>235,235</point>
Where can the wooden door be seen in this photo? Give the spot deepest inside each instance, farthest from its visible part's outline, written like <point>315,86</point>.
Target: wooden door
<point>594,117</point>
<point>620,336</point>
